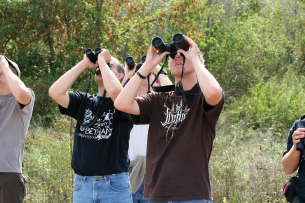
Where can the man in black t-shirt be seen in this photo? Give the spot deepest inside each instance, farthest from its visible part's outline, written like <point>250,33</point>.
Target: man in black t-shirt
<point>99,158</point>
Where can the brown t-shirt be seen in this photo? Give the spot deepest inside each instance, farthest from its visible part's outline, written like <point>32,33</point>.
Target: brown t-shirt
<point>179,145</point>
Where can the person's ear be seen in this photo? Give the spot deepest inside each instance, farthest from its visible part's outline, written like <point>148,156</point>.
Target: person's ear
<point>120,76</point>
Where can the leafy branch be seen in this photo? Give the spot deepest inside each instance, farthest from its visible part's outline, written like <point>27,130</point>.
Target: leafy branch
<point>148,21</point>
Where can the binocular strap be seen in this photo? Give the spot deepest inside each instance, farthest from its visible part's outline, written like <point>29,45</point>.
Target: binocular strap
<point>99,106</point>
<point>179,84</point>
<point>166,59</point>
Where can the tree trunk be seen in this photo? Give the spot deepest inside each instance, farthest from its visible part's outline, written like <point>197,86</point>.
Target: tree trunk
<point>52,51</point>
<point>49,38</point>
<point>206,55</point>
<point>99,8</point>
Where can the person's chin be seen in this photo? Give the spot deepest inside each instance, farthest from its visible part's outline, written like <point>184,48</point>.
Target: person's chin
<point>176,70</point>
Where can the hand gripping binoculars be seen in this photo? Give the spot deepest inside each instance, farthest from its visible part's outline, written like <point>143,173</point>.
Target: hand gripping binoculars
<point>131,64</point>
<point>179,42</point>
<point>92,55</point>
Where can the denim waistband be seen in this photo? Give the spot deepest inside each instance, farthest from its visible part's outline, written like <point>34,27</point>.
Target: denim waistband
<point>105,177</point>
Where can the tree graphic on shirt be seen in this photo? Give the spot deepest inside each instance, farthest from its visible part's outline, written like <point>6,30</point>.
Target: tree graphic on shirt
<point>174,116</point>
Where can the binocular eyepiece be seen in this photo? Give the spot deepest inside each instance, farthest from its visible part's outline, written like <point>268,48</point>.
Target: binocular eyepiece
<point>131,64</point>
<point>179,42</point>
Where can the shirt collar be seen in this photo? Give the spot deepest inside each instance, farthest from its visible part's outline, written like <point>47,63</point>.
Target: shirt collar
<point>193,91</point>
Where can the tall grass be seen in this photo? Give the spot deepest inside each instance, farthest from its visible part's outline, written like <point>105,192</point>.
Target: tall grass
<point>47,167</point>
<point>241,170</point>
<point>247,170</point>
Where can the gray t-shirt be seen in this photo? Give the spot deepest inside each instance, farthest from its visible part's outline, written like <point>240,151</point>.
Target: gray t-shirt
<point>14,123</point>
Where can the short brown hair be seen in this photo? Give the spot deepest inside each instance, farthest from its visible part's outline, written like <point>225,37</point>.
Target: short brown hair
<point>13,66</point>
<point>120,69</point>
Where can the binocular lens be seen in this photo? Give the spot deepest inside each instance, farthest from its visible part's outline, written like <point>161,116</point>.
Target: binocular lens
<point>88,51</point>
<point>157,41</point>
<point>143,58</point>
<point>130,62</point>
<point>98,50</point>
<point>177,38</point>
<point>90,54</point>
<point>129,59</point>
<point>181,42</point>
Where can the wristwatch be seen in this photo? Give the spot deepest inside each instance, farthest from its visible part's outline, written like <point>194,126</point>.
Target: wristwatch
<point>163,72</point>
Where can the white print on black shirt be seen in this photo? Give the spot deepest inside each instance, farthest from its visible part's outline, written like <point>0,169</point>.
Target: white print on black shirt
<point>174,116</point>
<point>101,129</point>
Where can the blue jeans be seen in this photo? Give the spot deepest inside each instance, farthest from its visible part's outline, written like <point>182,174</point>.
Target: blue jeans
<point>138,196</point>
<point>187,201</point>
<point>113,188</point>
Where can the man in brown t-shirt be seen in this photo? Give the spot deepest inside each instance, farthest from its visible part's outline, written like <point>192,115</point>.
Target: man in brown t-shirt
<point>181,133</point>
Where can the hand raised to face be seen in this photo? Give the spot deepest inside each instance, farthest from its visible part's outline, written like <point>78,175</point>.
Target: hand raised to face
<point>89,64</point>
<point>3,63</point>
<point>192,52</point>
<point>154,57</point>
<point>104,55</point>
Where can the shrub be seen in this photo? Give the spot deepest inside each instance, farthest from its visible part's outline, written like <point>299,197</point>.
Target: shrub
<point>272,106</point>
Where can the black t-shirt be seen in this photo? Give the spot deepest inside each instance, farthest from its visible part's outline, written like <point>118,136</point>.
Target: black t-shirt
<point>101,135</point>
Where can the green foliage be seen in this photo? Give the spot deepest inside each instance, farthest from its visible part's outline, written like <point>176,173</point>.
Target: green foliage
<point>244,41</point>
<point>256,43</point>
<point>272,106</point>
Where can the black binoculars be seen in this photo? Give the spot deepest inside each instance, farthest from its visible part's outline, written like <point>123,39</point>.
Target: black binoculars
<point>92,55</point>
<point>179,42</point>
<point>301,145</point>
<point>131,64</point>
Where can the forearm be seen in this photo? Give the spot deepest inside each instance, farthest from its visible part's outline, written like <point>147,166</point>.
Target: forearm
<point>110,81</point>
<point>18,88</point>
<point>207,82</point>
<point>128,75</point>
<point>62,85</point>
<point>124,80</point>
<point>291,161</point>
<point>164,80</point>
<point>126,100</point>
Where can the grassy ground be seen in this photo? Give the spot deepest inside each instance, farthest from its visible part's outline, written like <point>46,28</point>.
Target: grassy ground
<point>244,166</point>
<point>247,170</point>
<point>47,167</point>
